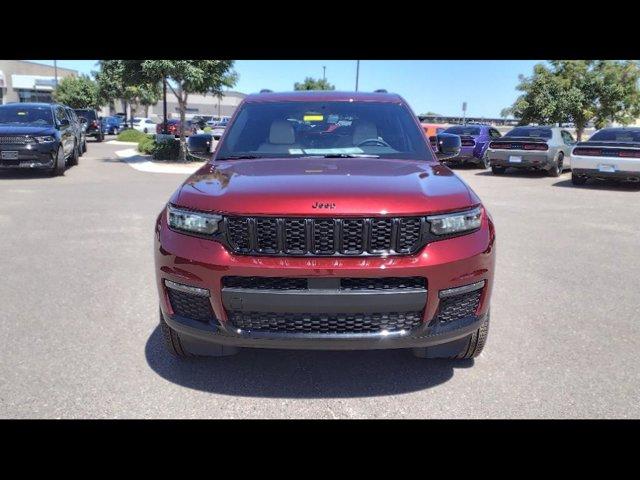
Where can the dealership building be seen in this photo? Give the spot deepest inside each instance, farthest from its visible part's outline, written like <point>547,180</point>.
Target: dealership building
<point>22,81</point>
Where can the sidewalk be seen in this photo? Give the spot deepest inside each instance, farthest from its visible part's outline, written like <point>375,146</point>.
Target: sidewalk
<point>144,163</point>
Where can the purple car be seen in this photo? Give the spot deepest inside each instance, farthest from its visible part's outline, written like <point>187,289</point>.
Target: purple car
<point>475,139</point>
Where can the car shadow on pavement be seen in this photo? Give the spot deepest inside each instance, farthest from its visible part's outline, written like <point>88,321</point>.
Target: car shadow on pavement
<point>302,373</point>
<point>516,173</point>
<point>601,185</point>
<point>24,174</point>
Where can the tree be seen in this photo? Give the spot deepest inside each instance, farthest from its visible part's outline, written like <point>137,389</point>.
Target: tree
<point>112,86</point>
<point>579,91</point>
<point>618,92</point>
<point>77,92</point>
<point>313,84</point>
<point>183,78</point>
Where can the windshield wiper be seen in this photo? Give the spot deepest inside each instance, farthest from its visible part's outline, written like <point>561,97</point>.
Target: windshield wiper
<point>350,155</point>
<point>239,157</point>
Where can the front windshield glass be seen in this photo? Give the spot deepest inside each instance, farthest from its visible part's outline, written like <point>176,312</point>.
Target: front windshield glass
<point>20,115</point>
<point>461,130</point>
<point>297,129</point>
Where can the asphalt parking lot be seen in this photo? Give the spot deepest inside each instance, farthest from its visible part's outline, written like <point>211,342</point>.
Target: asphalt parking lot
<point>79,316</point>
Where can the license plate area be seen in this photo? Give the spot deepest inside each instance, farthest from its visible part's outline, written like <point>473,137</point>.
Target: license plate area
<point>9,155</point>
<point>515,159</point>
<point>604,168</point>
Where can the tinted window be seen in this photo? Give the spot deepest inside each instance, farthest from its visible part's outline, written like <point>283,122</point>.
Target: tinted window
<point>293,129</point>
<point>20,115</point>
<point>530,132</point>
<point>494,133</point>
<point>463,130</point>
<point>616,136</point>
<point>90,115</point>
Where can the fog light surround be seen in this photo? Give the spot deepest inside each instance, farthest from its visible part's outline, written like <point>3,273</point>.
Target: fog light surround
<point>200,292</point>
<point>452,292</point>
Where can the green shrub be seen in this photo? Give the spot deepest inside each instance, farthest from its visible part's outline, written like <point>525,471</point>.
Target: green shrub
<point>131,135</point>
<point>147,145</point>
<point>207,129</point>
<point>170,151</point>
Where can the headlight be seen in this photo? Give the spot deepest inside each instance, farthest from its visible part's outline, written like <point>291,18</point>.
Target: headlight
<point>457,222</point>
<point>45,139</point>
<point>195,222</point>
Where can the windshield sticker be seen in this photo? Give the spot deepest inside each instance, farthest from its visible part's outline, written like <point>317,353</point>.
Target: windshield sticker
<point>313,118</point>
<point>332,151</point>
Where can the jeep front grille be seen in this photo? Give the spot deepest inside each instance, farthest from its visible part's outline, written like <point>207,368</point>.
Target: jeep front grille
<point>325,236</point>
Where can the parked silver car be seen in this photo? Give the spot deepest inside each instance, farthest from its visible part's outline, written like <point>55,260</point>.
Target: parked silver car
<point>538,148</point>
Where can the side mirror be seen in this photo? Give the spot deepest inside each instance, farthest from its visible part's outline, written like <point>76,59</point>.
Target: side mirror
<point>200,145</point>
<point>64,122</point>
<point>447,145</point>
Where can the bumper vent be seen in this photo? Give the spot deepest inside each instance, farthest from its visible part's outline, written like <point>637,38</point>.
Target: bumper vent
<point>325,324</point>
<point>350,284</point>
<point>191,306</point>
<point>457,307</point>
<point>321,236</point>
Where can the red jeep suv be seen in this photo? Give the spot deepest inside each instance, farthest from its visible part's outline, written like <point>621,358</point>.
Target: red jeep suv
<point>323,220</point>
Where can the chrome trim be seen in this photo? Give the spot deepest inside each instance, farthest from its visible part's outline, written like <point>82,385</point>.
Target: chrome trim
<point>200,292</point>
<point>451,292</point>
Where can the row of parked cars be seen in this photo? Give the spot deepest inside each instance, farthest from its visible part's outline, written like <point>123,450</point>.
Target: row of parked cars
<point>45,136</point>
<point>610,153</point>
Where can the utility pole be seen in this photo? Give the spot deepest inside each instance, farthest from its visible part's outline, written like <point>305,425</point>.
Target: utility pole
<point>55,72</point>
<point>324,72</point>
<point>164,104</point>
<point>357,73</point>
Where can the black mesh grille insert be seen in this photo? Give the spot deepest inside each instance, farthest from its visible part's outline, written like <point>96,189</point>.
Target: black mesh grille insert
<point>238,233</point>
<point>458,307</point>
<point>389,283</point>
<point>317,323</point>
<point>190,306</point>
<point>295,235</point>
<point>408,234</point>
<point>15,139</point>
<point>265,283</point>
<point>325,236</point>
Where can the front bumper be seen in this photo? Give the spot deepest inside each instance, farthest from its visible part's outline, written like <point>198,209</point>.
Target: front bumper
<point>28,156</point>
<point>529,159</point>
<point>445,264</point>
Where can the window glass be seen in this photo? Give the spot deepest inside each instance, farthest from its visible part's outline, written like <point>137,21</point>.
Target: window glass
<point>533,132</point>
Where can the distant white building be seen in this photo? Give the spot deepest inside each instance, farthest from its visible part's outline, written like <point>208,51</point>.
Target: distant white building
<point>196,105</point>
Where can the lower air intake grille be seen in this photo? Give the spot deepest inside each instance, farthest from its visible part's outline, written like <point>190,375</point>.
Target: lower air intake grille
<point>457,307</point>
<point>190,306</point>
<point>325,324</point>
<point>265,283</point>
<point>387,283</point>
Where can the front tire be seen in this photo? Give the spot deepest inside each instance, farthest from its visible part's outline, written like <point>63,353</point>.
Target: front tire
<point>496,170</point>
<point>59,164</point>
<point>180,348</point>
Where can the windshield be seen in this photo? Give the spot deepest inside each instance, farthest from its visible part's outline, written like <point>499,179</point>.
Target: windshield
<point>296,129</point>
<point>530,132</point>
<point>462,130</point>
<point>20,115</point>
<point>90,115</point>
<point>616,136</point>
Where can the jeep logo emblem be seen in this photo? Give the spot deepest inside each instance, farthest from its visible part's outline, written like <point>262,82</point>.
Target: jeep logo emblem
<point>323,205</point>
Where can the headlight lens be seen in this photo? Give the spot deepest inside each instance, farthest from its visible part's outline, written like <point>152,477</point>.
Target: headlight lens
<point>45,139</point>
<point>457,222</point>
<point>190,221</point>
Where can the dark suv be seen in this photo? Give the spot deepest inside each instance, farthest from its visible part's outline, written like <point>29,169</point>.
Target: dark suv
<point>324,220</point>
<point>94,123</point>
<point>37,135</point>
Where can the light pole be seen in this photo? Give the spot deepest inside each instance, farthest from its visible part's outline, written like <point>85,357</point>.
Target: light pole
<point>324,72</point>
<point>164,104</point>
<point>55,72</point>
<point>357,73</point>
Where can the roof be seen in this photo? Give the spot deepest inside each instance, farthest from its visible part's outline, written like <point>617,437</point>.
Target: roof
<point>29,104</point>
<point>323,96</point>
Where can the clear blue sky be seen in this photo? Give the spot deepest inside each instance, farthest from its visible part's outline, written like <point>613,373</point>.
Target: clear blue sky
<point>428,85</point>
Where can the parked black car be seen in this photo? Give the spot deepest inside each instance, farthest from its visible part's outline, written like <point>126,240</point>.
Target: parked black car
<point>79,126</point>
<point>94,123</point>
<point>37,135</point>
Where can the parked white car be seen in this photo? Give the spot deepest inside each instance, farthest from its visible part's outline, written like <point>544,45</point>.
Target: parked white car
<point>610,153</point>
<point>145,125</point>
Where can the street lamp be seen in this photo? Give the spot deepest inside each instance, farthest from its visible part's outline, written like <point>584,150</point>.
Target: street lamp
<point>324,71</point>
<point>357,73</point>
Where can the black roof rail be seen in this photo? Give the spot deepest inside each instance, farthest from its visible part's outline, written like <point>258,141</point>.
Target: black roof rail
<point>266,90</point>
<point>380,90</point>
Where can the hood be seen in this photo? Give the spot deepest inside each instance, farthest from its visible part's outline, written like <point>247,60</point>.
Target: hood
<point>6,129</point>
<point>324,187</point>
